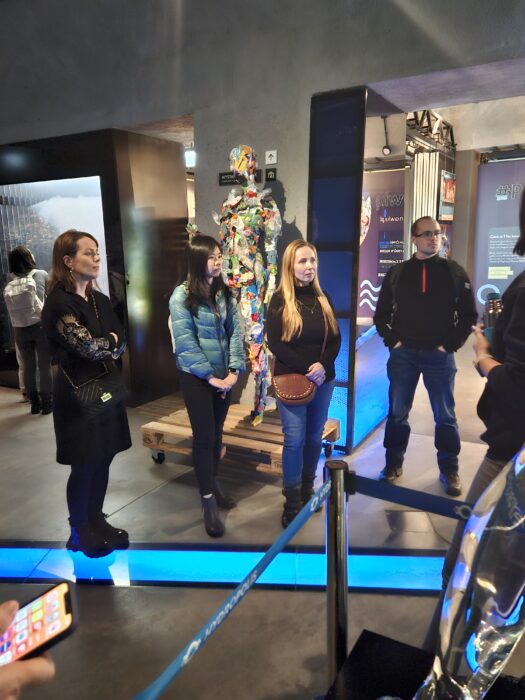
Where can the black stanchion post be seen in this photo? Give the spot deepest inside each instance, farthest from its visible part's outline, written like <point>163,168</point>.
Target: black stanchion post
<point>336,554</point>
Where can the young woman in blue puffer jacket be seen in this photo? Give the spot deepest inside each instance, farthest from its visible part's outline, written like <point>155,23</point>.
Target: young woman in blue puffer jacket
<point>209,354</point>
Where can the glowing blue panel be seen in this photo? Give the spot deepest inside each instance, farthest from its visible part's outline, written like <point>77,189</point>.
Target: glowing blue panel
<point>219,567</point>
<point>18,562</point>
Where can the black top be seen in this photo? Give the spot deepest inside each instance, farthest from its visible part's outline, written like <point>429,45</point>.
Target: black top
<point>425,304</point>
<point>302,351</point>
<point>502,404</point>
<point>78,333</point>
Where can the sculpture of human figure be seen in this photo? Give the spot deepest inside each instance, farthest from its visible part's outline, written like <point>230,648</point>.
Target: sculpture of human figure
<point>250,224</point>
<point>483,613</point>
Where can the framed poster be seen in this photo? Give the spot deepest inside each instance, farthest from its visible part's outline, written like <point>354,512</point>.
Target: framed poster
<point>447,196</point>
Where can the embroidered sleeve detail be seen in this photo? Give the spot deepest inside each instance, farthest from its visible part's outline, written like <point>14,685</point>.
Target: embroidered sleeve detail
<point>81,341</point>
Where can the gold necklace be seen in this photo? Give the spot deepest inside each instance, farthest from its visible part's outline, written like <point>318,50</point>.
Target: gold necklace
<point>310,309</point>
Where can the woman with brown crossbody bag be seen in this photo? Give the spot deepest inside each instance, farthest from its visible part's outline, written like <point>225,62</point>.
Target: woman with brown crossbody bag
<point>304,338</point>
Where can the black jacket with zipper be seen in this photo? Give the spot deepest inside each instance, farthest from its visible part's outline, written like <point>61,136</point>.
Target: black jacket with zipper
<point>425,304</point>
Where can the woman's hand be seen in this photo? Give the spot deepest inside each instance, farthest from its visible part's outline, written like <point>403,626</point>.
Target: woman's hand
<point>19,674</point>
<point>232,378</point>
<point>481,345</point>
<point>220,384</point>
<point>316,373</point>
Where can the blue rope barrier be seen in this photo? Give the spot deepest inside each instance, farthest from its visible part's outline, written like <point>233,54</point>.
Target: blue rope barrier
<point>440,505</point>
<point>162,682</point>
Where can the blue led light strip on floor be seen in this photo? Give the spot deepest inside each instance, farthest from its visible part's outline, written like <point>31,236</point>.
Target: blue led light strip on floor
<point>208,567</point>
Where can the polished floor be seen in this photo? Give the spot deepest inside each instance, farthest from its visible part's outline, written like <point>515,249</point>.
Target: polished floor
<point>273,645</point>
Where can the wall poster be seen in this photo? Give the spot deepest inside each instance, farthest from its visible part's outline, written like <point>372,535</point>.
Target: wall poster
<point>499,194</point>
<point>381,240</point>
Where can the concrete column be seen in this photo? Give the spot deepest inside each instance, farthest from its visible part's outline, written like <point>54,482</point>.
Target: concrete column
<point>467,164</point>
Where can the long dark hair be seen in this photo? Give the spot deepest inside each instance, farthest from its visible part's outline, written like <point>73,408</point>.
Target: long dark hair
<point>198,250</point>
<point>66,244</point>
<point>21,260</point>
<point>519,248</point>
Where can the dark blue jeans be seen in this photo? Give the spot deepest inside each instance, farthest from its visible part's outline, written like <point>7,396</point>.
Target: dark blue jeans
<point>438,368</point>
<point>303,431</point>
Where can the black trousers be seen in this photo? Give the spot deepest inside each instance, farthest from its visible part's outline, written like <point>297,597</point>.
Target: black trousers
<point>33,348</point>
<point>86,490</point>
<point>207,411</point>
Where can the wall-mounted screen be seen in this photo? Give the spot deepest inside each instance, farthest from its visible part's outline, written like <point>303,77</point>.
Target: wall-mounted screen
<point>34,214</point>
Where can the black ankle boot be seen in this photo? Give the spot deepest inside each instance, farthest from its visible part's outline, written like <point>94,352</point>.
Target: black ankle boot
<point>307,491</point>
<point>223,501</point>
<point>292,504</point>
<point>84,539</point>
<point>47,403</point>
<point>117,538</point>
<point>212,519</point>
<point>36,406</point>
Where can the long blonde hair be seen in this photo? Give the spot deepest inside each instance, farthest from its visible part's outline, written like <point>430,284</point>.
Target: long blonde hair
<point>292,320</point>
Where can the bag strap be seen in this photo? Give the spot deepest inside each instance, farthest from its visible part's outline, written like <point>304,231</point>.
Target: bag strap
<point>78,386</point>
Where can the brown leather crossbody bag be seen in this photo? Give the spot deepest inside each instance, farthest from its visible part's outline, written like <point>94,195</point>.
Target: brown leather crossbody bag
<point>295,389</point>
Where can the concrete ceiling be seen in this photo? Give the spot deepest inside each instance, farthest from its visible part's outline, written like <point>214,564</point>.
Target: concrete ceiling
<point>491,81</point>
<point>485,104</point>
<point>454,94</point>
<point>178,129</point>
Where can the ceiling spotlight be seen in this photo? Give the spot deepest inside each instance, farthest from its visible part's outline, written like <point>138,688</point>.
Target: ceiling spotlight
<point>190,157</point>
<point>386,148</point>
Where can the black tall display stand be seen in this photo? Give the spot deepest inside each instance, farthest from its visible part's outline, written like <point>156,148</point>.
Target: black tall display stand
<point>337,132</point>
<point>143,185</point>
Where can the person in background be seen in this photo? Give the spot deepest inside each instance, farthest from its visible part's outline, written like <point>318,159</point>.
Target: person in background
<point>85,338</point>
<point>502,403</point>
<point>20,674</point>
<point>298,316</point>
<point>31,343</point>
<point>209,354</point>
<point>424,313</point>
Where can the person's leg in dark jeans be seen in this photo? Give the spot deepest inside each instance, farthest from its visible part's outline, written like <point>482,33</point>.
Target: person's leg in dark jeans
<point>200,400</point>
<point>26,344</point>
<point>439,371</point>
<point>489,469</point>
<point>403,373</point>
<point>316,413</point>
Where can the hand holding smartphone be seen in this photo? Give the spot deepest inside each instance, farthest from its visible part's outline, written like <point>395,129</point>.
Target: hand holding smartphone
<point>39,624</point>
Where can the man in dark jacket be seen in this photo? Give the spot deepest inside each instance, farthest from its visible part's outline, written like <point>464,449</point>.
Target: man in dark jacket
<point>424,314</point>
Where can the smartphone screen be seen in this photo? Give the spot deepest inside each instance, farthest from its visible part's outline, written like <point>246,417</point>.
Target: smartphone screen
<point>37,624</point>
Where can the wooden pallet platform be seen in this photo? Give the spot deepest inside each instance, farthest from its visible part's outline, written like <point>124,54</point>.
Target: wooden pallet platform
<point>263,442</point>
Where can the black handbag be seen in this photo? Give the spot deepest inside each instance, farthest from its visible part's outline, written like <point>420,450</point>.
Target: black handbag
<point>99,394</point>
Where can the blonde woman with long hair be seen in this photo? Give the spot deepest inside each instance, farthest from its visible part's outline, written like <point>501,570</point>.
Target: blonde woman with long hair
<point>298,314</point>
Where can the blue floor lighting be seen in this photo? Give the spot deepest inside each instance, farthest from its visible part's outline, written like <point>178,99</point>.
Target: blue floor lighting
<point>216,567</point>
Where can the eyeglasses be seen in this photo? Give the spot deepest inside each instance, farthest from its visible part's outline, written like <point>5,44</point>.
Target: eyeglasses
<point>428,234</point>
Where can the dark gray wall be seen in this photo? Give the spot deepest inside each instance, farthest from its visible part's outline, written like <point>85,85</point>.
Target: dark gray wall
<point>246,71</point>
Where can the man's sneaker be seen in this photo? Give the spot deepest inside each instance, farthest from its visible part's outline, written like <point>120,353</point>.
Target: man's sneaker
<point>451,483</point>
<point>390,474</point>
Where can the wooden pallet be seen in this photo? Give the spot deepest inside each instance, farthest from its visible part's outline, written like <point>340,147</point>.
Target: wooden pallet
<point>264,442</point>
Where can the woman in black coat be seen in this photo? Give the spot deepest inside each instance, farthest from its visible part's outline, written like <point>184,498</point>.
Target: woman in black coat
<point>85,338</point>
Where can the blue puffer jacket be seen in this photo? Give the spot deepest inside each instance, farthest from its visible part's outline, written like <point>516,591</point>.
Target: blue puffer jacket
<point>205,344</point>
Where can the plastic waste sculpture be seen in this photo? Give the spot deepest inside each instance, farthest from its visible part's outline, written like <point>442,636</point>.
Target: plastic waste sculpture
<point>483,614</point>
<point>250,224</point>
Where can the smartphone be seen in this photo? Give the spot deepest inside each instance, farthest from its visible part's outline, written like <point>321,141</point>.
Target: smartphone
<point>40,624</point>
